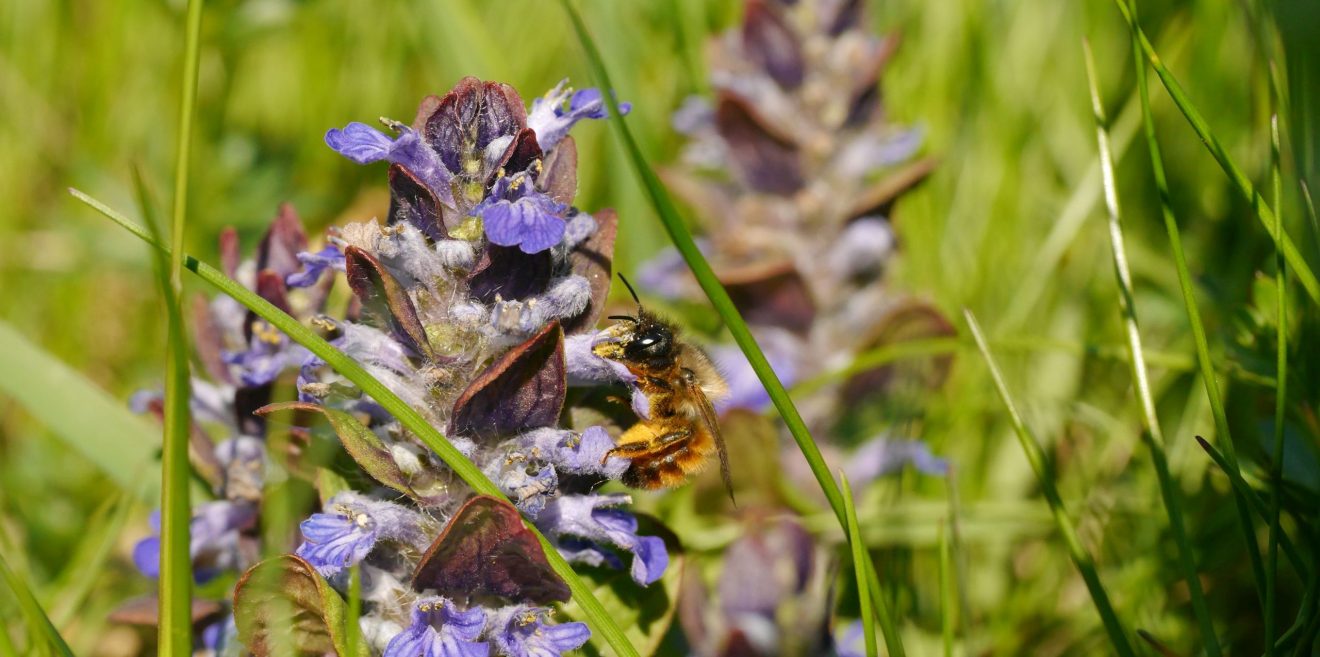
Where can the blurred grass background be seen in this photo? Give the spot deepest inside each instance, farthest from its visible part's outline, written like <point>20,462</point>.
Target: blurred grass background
<point>1011,225</point>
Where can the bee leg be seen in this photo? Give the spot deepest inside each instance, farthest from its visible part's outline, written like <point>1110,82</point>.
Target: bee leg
<point>659,444</point>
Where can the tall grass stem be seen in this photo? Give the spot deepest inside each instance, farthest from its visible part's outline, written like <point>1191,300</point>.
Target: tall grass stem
<point>1036,458</point>
<point>1154,436</point>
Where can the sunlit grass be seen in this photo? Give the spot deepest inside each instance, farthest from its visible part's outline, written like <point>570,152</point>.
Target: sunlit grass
<point>1005,227</point>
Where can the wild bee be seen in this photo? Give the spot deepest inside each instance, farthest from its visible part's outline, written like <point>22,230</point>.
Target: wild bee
<point>679,381</point>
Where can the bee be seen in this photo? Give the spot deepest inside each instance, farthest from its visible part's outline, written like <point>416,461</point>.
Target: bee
<point>679,381</point>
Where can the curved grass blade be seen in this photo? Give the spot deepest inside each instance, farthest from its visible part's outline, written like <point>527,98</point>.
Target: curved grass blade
<point>1206,364</point>
<point>1154,436</point>
<point>859,559</point>
<point>595,614</point>
<point>893,640</point>
<point>83,570</point>
<point>1281,392</point>
<point>1254,501</point>
<point>90,422</point>
<point>1239,179</point>
<point>719,298</point>
<point>1036,457</point>
<point>36,616</point>
<point>7,648</point>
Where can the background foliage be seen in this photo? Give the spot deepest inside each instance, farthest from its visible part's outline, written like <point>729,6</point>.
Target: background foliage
<point>1011,225</point>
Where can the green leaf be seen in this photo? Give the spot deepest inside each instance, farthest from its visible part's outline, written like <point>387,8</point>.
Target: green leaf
<point>36,617</point>
<point>600,621</point>
<point>645,612</point>
<point>97,426</point>
<point>283,606</point>
<point>367,449</point>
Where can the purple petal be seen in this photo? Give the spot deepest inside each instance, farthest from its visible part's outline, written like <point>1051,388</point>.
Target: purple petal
<point>551,120</point>
<point>439,629</point>
<point>314,265</point>
<point>745,388</point>
<point>882,456</point>
<point>360,142</point>
<point>585,368</point>
<point>522,632</point>
<point>333,542</point>
<point>529,223</point>
<point>146,556</point>
<point>650,559</point>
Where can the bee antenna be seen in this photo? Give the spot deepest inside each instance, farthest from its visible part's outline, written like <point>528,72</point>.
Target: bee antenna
<point>625,318</point>
<point>630,289</point>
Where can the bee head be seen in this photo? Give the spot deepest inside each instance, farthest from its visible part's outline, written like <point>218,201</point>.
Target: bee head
<point>650,340</point>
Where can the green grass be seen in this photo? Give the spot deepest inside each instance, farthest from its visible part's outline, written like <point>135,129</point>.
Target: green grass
<point>1010,225</point>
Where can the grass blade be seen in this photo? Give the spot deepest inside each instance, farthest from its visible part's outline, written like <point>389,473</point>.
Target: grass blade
<point>90,422</point>
<point>1206,364</point>
<point>1235,175</point>
<point>36,616</point>
<point>175,629</point>
<point>946,593</point>
<point>859,559</point>
<point>1036,457</point>
<point>1154,436</point>
<point>1281,392</point>
<point>893,640</point>
<point>1256,504</point>
<point>596,616</point>
<point>719,298</point>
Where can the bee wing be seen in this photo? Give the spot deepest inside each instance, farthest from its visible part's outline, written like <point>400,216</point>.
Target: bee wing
<point>711,420</point>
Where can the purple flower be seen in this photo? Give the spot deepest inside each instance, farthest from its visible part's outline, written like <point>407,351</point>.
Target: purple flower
<point>768,566</point>
<point>575,453</point>
<point>269,352</point>
<point>851,642</point>
<point>528,486</point>
<point>745,388</point>
<point>215,531</point>
<point>338,540</point>
<point>515,214</point>
<point>882,456</point>
<point>551,120</point>
<point>439,629</point>
<point>243,467</point>
<point>585,368</point>
<point>521,631</point>
<point>364,144</point>
<point>314,265</point>
<point>590,517</point>
<point>667,274</point>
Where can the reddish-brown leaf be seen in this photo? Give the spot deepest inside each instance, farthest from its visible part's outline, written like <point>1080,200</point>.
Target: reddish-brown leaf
<point>559,172</point>
<point>523,389</point>
<point>593,260</point>
<point>412,202</point>
<point>486,551</point>
<point>382,295</point>
<point>766,161</point>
